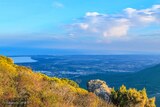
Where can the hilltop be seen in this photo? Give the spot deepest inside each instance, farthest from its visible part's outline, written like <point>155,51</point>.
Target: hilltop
<point>43,91</point>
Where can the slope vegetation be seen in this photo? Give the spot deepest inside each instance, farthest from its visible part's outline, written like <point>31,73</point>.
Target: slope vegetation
<point>18,83</point>
<point>41,90</point>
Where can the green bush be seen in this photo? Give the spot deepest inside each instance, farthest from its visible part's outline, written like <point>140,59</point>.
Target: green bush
<point>131,98</point>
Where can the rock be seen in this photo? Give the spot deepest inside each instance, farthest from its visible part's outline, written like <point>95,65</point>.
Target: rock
<point>100,88</point>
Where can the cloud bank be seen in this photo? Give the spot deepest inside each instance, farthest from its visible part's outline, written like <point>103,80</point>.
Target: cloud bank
<point>113,26</point>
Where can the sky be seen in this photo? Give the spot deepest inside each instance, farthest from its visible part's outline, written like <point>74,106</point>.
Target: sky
<point>79,27</point>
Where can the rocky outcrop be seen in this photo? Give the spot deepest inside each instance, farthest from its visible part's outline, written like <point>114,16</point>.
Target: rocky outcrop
<point>100,88</point>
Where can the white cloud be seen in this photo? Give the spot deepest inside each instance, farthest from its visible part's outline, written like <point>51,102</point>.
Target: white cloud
<point>92,14</point>
<point>130,11</point>
<point>144,16</point>
<point>118,29</point>
<point>116,25</point>
<point>147,19</point>
<point>84,26</point>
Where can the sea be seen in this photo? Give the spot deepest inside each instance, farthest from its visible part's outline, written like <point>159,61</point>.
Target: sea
<point>115,70</point>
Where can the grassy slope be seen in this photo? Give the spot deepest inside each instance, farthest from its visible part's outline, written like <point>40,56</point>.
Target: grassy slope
<point>18,81</point>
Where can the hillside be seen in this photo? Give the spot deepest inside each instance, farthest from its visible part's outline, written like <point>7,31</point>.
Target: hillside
<point>150,77</point>
<point>18,83</point>
<point>43,91</point>
<point>150,74</point>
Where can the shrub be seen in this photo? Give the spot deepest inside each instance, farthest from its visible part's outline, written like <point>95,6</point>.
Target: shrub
<point>131,97</point>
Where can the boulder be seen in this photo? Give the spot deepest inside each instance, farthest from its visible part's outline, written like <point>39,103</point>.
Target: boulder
<point>100,88</point>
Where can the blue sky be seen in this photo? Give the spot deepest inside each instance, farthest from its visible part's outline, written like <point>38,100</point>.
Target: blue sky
<point>80,26</point>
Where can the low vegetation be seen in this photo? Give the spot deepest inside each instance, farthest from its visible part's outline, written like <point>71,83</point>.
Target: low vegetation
<point>131,98</point>
<point>43,91</point>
